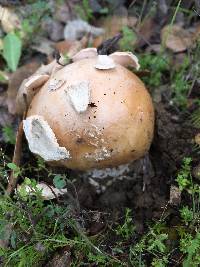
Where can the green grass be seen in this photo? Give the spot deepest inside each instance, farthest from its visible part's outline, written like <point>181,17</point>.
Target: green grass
<point>9,134</point>
<point>84,10</point>
<point>128,39</point>
<point>180,80</point>
<point>35,229</point>
<point>158,65</point>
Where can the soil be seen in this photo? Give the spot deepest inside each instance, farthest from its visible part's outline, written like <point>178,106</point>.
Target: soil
<point>146,188</point>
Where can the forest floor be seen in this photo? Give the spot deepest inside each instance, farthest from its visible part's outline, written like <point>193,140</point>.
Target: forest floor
<point>148,216</point>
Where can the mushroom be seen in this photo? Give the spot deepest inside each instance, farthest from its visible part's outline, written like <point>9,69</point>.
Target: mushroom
<point>93,113</point>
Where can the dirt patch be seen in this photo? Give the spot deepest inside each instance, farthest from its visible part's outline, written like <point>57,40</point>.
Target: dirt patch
<point>146,188</point>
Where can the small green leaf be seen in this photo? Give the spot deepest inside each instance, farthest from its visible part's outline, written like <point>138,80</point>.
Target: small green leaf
<point>13,239</point>
<point>9,134</point>
<point>12,47</point>
<point>59,182</point>
<point>12,166</point>
<point>16,170</point>
<point>27,181</point>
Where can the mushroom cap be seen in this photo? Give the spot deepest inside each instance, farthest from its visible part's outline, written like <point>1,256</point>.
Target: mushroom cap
<point>104,118</point>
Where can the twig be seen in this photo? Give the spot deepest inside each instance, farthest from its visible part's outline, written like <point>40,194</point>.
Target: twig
<point>17,151</point>
<point>16,159</point>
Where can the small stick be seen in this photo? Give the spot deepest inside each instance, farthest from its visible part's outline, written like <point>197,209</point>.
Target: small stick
<point>16,159</point>
<point>17,152</point>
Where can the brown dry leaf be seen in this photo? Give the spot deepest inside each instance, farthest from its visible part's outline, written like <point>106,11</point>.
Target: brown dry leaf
<point>176,38</point>
<point>61,258</point>
<point>9,19</point>
<point>71,47</point>
<point>63,13</point>
<point>77,29</point>
<point>44,46</point>
<point>5,239</point>
<point>4,77</point>
<point>197,32</point>
<point>197,139</point>
<point>15,81</point>
<point>113,25</point>
<point>63,46</point>
<point>178,60</point>
<point>146,31</point>
<point>154,48</point>
<point>196,172</point>
<point>175,195</point>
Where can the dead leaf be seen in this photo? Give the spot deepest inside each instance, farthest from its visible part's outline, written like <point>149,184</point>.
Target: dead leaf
<point>61,258</point>
<point>6,233</point>
<point>44,46</point>
<point>175,195</point>
<point>154,48</point>
<point>146,30</point>
<point>15,81</point>
<point>196,172</point>
<point>113,25</point>
<point>70,48</point>
<point>62,12</point>
<point>196,31</point>
<point>197,139</point>
<point>9,19</point>
<point>54,29</point>
<point>63,46</point>
<point>28,89</point>
<point>76,29</point>
<point>176,38</point>
<point>48,192</point>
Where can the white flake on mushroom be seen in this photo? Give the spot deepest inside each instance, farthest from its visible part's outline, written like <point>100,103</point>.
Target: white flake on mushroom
<point>36,80</point>
<point>29,88</point>
<point>79,95</point>
<point>104,62</point>
<point>126,59</point>
<point>94,135</point>
<point>85,53</point>
<point>42,140</point>
<point>55,84</point>
<point>99,154</point>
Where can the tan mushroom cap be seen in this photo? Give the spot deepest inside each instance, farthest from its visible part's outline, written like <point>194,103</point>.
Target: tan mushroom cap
<point>115,126</point>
